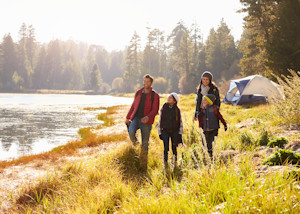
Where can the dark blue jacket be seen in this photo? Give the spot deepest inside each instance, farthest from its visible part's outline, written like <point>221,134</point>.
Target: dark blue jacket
<point>210,117</point>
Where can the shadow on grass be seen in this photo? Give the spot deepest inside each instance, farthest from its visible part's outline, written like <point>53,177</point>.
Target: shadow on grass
<point>130,164</point>
<point>175,174</point>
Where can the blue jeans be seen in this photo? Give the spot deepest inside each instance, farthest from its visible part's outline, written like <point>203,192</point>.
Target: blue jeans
<point>145,132</point>
<point>209,137</point>
<point>166,139</point>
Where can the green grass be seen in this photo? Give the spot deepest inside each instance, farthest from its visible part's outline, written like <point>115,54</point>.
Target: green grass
<point>114,182</point>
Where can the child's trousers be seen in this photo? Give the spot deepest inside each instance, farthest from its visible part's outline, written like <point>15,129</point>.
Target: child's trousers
<point>209,137</point>
<point>166,139</point>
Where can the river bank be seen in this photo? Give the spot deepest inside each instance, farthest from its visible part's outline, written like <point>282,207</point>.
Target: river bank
<point>27,170</point>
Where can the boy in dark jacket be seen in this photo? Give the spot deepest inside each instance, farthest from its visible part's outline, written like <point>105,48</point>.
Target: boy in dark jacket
<point>170,126</point>
<point>210,116</point>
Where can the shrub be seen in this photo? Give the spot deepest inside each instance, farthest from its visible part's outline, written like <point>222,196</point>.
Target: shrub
<point>118,84</point>
<point>280,142</point>
<point>283,156</point>
<point>289,111</point>
<point>264,138</point>
<point>104,88</point>
<point>294,174</point>
<point>160,85</point>
<point>245,139</point>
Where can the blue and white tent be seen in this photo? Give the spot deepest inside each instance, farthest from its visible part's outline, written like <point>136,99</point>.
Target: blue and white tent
<point>252,89</point>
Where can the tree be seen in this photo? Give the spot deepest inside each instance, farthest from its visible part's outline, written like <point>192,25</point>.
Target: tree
<point>220,51</point>
<point>184,64</point>
<point>133,65</point>
<point>54,66</point>
<point>174,50</point>
<point>118,84</point>
<point>24,68</point>
<point>198,52</point>
<point>283,49</point>
<point>154,55</point>
<point>31,50</point>
<point>116,65</point>
<point>257,33</point>
<point>213,54</point>
<point>160,85</point>
<point>72,77</point>
<point>95,78</point>
<point>9,63</point>
<point>40,74</point>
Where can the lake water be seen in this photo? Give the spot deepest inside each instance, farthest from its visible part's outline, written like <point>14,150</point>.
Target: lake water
<point>35,123</point>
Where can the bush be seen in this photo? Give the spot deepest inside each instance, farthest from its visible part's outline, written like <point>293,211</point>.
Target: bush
<point>294,174</point>
<point>264,138</point>
<point>283,156</point>
<point>104,88</point>
<point>280,142</point>
<point>118,84</point>
<point>245,139</point>
<point>289,111</point>
<point>160,84</point>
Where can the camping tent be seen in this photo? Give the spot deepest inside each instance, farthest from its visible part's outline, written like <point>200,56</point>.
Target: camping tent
<point>252,89</point>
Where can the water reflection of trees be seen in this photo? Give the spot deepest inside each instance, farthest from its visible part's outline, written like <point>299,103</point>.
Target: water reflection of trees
<point>24,128</point>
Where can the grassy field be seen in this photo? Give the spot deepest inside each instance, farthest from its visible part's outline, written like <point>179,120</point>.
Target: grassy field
<point>235,182</point>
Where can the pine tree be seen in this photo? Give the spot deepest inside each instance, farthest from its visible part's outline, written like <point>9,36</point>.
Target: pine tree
<point>174,49</point>
<point>283,50</point>
<point>184,64</point>
<point>133,64</point>
<point>220,51</point>
<point>9,63</point>
<point>40,74</point>
<point>54,66</point>
<point>257,33</point>
<point>95,78</point>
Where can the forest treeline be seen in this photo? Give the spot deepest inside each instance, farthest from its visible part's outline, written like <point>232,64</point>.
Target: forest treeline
<point>270,44</point>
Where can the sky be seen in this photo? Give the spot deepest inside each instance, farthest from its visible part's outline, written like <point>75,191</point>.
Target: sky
<point>111,23</point>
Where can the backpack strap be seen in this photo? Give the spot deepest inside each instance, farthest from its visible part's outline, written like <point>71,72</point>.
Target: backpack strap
<point>152,96</point>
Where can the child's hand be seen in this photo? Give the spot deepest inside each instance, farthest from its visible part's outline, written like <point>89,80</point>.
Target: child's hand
<point>225,128</point>
<point>160,137</point>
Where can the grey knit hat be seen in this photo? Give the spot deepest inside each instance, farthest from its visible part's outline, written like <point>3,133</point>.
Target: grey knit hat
<point>208,75</point>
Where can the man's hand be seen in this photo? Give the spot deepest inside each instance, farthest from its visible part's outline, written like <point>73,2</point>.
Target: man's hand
<point>145,119</point>
<point>127,122</point>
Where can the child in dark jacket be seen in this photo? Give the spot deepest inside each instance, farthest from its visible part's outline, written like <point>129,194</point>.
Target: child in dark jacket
<point>209,120</point>
<point>170,126</point>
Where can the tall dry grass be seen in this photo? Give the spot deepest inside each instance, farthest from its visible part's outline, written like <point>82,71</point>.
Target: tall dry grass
<point>289,108</point>
<point>114,183</point>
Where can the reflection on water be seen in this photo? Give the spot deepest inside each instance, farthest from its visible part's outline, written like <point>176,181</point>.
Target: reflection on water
<point>34,123</point>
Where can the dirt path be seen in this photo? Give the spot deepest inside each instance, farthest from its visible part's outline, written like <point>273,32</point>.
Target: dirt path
<point>13,178</point>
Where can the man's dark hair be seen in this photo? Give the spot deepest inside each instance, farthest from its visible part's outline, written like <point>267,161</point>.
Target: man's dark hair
<point>149,77</point>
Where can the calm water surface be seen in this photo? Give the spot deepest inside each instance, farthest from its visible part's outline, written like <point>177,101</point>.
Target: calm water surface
<point>35,123</point>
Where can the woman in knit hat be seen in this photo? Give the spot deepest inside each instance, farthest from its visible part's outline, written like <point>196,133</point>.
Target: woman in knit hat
<point>206,86</point>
